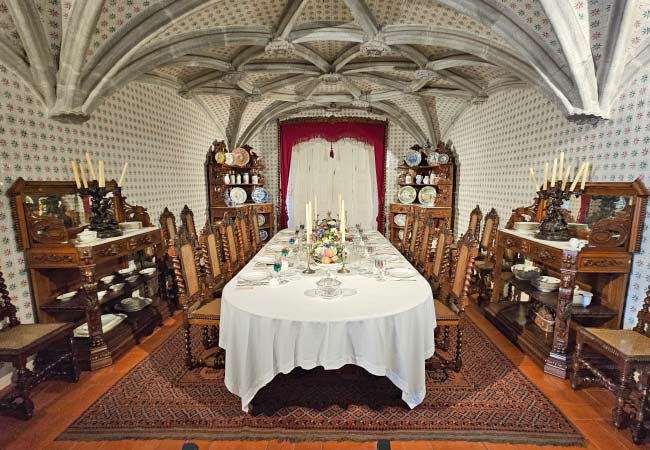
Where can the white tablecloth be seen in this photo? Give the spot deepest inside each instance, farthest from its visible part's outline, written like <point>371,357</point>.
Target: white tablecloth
<point>386,328</point>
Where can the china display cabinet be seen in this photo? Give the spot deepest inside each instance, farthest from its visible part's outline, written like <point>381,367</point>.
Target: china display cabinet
<point>435,170</point>
<point>607,226</point>
<point>85,282</point>
<point>244,174</point>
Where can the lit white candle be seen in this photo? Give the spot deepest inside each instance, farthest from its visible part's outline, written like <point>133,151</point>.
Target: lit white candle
<point>119,183</point>
<point>75,170</point>
<point>83,175</point>
<point>554,172</point>
<point>566,177</point>
<point>577,178</point>
<point>585,176</point>
<point>533,179</point>
<point>91,169</point>
<point>545,175</point>
<point>102,177</point>
<point>342,224</point>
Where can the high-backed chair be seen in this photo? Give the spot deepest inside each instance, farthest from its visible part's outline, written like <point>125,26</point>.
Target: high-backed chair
<point>167,222</point>
<point>438,268</point>
<point>599,350</point>
<point>187,220</point>
<point>415,237</point>
<point>243,222</point>
<point>254,229</point>
<point>474,225</point>
<point>424,250</point>
<point>168,227</point>
<point>191,284</point>
<point>454,297</point>
<point>18,342</point>
<point>231,245</point>
<point>485,261</point>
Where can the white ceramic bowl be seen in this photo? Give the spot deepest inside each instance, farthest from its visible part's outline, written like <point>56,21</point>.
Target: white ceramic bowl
<point>101,295</point>
<point>132,279</point>
<point>108,279</point>
<point>525,272</point>
<point>67,296</point>
<point>117,287</point>
<point>130,226</point>
<point>256,275</point>
<point>126,271</point>
<point>148,271</point>
<point>526,227</point>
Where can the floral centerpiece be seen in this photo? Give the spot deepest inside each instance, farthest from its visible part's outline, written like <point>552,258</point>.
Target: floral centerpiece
<point>327,245</point>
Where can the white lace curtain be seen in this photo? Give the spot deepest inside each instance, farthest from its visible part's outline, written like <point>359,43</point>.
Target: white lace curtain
<point>350,173</point>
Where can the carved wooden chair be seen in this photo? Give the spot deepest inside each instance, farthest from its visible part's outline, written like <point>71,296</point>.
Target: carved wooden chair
<point>475,218</point>
<point>424,250</point>
<point>192,285</point>
<point>415,236</point>
<point>453,298</point>
<point>167,222</point>
<point>243,222</point>
<point>620,361</point>
<point>18,342</point>
<point>187,220</point>
<point>233,256</point>
<point>438,268</point>
<point>403,243</point>
<point>485,261</point>
<point>254,229</point>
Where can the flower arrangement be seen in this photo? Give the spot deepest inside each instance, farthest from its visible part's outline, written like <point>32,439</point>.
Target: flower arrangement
<point>328,247</point>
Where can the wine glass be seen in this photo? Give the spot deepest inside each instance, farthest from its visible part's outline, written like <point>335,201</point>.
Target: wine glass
<point>380,265</point>
<point>277,265</point>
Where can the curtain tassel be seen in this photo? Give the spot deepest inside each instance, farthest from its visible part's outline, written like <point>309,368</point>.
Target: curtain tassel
<point>331,151</point>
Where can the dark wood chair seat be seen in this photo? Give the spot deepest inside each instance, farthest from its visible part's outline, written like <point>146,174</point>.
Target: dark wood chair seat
<point>445,316</point>
<point>31,337</point>
<point>18,342</point>
<point>206,314</point>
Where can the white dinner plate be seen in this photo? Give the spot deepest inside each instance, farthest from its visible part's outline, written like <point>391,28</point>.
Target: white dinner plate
<point>266,259</point>
<point>256,275</point>
<point>275,248</point>
<point>401,272</point>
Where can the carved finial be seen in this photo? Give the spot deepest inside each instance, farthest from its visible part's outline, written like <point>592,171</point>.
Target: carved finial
<point>279,47</point>
<point>375,47</point>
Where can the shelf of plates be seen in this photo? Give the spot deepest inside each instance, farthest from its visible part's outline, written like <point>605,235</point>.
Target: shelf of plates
<point>426,183</point>
<point>244,185</point>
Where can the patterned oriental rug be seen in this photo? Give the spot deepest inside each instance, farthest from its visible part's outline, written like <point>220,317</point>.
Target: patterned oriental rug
<point>489,400</point>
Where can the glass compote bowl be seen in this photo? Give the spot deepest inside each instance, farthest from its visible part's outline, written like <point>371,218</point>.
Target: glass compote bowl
<point>328,286</point>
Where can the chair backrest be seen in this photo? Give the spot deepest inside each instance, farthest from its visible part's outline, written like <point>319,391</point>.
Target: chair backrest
<point>245,233</point>
<point>212,246</point>
<point>7,309</point>
<point>424,246</point>
<point>643,317</point>
<point>168,226</point>
<point>475,221</point>
<point>187,219</point>
<point>490,226</point>
<point>442,237</point>
<point>231,244</point>
<point>416,234</point>
<point>462,266</point>
<point>254,228</point>
<point>188,276</point>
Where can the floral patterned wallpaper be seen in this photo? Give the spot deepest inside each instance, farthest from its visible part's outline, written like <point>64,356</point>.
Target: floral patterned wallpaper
<point>163,136</point>
<point>498,141</point>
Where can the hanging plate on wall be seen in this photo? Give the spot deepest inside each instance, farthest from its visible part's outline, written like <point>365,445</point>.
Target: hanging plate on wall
<point>407,194</point>
<point>427,196</point>
<point>241,156</point>
<point>229,159</point>
<point>238,195</point>
<point>220,157</point>
<point>413,158</point>
<point>260,195</point>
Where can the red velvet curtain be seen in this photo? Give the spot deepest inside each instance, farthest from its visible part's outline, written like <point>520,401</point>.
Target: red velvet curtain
<point>372,133</point>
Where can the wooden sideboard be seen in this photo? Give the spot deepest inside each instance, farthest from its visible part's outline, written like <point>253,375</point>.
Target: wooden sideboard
<point>48,216</point>
<point>602,266</point>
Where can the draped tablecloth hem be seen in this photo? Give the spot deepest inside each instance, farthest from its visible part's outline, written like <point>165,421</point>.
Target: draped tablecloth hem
<point>412,399</point>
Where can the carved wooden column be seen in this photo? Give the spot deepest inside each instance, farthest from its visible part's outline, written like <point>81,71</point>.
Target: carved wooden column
<point>557,361</point>
<point>99,354</point>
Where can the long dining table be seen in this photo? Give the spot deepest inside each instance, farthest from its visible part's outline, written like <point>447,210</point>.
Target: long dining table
<point>384,326</point>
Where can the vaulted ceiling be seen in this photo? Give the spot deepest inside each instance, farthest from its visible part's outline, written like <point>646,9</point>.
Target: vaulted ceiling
<point>420,63</point>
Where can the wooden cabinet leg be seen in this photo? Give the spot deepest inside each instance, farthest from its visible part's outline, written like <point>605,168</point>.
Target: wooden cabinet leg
<point>100,356</point>
<point>618,415</point>
<point>638,430</point>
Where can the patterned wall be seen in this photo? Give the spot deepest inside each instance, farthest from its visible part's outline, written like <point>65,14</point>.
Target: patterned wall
<point>498,141</point>
<point>163,137</point>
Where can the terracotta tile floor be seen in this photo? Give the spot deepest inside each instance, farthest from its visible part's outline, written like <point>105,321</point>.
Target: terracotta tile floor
<point>59,403</point>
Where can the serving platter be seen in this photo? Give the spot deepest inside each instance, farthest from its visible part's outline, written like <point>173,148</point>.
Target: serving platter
<point>399,220</point>
<point>260,195</point>
<point>413,158</point>
<point>427,196</point>
<point>261,220</point>
<point>264,235</point>
<point>407,195</point>
<point>240,156</point>
<point>238,196</point>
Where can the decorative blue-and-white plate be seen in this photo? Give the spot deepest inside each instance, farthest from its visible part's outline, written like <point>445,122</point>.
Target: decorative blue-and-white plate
<point>443,158</point>
<point>260,195</point>
<point>413,158</point>
<point>264,235</point>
